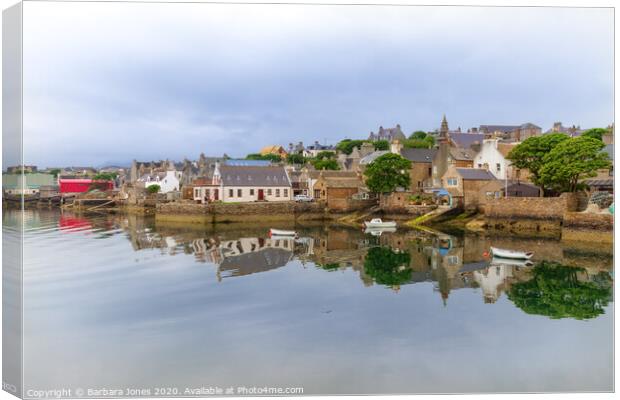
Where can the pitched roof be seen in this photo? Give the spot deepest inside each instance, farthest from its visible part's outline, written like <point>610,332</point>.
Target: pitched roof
<point>274,148</point>
<point>254,176</point>
<point>462,154</point>
<point>500,128</point>
<point>314,174</point>
<point>465,140</point>
<point>372,156</point>
<point>419,155</point>
<point>475,174</point>
<point>505,148</point>
<point>343,182</point>
<point>254,262</point>
<point>247,163</point>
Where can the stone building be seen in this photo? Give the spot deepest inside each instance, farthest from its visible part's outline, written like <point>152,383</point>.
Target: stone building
<point>388,134</point>
<point>465,184</point>
<point>245,184</point>
<point>337,191</point>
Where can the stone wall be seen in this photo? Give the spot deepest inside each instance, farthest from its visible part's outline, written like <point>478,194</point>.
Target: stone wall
<point>240,212</point>
<point>579,227</point>
<point>534,208</point>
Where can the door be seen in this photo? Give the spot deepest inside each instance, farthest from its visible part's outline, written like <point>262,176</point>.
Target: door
<point>261,195</point>
<point>216,194</point>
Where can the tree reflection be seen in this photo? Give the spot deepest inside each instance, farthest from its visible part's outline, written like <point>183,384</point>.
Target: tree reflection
<point>388,267</point>
<point>559,291</point>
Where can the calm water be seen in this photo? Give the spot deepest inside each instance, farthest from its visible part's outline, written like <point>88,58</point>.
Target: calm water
<point>122,302</point>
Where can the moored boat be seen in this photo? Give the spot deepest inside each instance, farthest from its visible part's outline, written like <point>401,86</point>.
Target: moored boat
<point>378,223</point>
<point>280,232</point>
<point>504,253</point>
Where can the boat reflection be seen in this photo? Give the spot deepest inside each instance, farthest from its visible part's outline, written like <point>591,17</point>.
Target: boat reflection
<point>407,257</point>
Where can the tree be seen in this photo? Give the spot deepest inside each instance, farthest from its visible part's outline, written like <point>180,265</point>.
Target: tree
<point>295,159</point>
<point>596,133</point>
<point>346,146</point>
<point>571,161</point>
<point>387,267</point>
<point>388,172</point>
<point>415,143</point>
<point>153,189</point>
<point>418,135</point>
<point>326,163</point>
<point>105,176</point>
<point>555,291</point>
<point>268,157</point>
<point>529,154</point>
<point>325,155</point>
<point>382,145</point>
<point>55,172</point>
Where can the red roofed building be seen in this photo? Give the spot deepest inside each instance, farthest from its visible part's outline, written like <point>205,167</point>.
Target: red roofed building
<point>82,185</point>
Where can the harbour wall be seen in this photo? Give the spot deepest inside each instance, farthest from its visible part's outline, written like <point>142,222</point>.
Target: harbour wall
<point>241,212</point>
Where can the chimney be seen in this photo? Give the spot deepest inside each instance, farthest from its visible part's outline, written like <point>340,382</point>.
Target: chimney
<point>396,147</point>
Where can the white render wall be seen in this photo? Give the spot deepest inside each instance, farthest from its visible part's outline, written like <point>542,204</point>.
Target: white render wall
<point>489,154</point>
<point>168,184</point>
<point>286,193</point>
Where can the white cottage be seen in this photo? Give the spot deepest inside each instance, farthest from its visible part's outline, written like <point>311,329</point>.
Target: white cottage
<point>232,184</point>
<point>168,181</point>
<point>492,157</point>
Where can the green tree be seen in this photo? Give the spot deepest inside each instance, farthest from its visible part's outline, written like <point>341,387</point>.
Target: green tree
<point>387,173</point>
<point>153,189</point>
<point>571,161</point>
<point>326,163</point>
<point>325,155</point>
<point>530,153</point>
<point>346,146</point>
<point>268,157</point>
<point>556,292</point>
<point>105,176</point>
<point>387,267</point>
<point>55,172</point>
<point>419,135</point>
<point>382,145</point>
<point>596,133</point>
<point>295,159</point>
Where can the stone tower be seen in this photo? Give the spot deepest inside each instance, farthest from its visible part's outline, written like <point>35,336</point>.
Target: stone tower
<point>444,131</point>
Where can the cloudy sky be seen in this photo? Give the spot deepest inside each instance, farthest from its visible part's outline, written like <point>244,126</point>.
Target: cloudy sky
<point>110,82</point>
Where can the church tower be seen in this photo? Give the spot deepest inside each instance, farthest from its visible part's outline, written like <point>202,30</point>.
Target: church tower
<point>444,131</point>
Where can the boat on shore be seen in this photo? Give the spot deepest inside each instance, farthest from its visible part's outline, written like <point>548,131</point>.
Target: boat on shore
<point>512,254</point>
<point>378,223</point>
<point>511,262</point>
<point>281,232</point>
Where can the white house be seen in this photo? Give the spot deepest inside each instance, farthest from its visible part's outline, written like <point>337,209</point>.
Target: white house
<point>492,156</point>
<point>232,184</point>
<point>168,181</point>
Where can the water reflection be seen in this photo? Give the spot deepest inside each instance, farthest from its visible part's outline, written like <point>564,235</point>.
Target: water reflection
<point>393,259</point>
<point>154,303</point>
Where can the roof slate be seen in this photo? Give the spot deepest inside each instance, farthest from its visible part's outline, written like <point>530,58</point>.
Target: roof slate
<point>475,174</point>
<point>254,176</point>
<point>419,155</point>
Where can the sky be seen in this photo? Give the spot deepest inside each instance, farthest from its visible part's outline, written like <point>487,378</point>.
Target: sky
<point>106,83</point>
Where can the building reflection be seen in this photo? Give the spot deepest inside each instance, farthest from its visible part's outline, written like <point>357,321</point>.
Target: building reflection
<point>444,262</point>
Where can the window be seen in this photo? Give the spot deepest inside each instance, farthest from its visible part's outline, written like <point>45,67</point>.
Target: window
<point>479,165</point>
<point>285,192</point>
<point>208,193</point>
<point>452,182</point>
<point>239,193</point>
<point>196,192</point>
<point>317,193</point>
<point>268,192</point>
<point>251,192</point>
<point>497,195</point>
<point>430,172</point>
<point>277,192</point>
<point>498,166</point>
<point>231,193</point>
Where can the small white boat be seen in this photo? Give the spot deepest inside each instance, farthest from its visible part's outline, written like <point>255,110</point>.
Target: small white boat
<point>280,232</point>
<point>511,262</point>
<point>378,223</point>
<point>379,231</point>
<point>503,253</point>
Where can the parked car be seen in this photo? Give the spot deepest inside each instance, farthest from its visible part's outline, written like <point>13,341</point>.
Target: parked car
<point>303,198</point>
